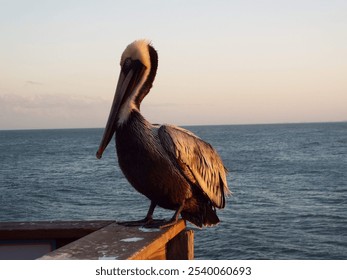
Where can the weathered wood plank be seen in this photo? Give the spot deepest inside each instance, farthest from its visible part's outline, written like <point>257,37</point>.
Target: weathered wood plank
<point>119,242</point>
<point>158,244</point>
<point>30,240</point>
<point>181,247</point>
<point>190,244</point>
<point>49,230</point>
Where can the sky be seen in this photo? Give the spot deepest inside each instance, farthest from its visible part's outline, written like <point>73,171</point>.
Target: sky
<point>220,62</point>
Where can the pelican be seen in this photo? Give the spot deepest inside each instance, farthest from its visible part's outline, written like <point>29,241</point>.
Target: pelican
<point>170,165</point>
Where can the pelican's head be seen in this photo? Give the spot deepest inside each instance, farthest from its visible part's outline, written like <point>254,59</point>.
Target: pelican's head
<point>139,64</point>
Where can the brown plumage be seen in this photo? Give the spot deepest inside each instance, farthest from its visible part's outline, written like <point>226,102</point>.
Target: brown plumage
<point>171,166</point>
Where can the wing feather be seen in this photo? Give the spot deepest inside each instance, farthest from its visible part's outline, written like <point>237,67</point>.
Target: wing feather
<point>198,161</point>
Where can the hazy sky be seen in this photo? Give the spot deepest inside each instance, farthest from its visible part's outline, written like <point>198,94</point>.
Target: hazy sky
<point>220,62</point>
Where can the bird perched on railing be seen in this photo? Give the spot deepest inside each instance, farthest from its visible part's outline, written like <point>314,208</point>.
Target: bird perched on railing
<point>171,166</point>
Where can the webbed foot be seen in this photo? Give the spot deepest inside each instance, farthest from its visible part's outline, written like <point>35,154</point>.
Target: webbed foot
<point>146,222</point>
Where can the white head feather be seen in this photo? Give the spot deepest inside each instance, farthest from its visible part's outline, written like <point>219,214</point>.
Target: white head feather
<point>137,50</point>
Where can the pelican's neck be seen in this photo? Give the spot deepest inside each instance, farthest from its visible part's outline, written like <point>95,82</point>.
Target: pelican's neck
<point>125,112</point>
<point>133,102</point>
<point>136,131</point>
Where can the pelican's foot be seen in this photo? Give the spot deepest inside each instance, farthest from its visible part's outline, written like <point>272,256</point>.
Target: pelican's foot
<point>160,224</point>
<point>146,222</point>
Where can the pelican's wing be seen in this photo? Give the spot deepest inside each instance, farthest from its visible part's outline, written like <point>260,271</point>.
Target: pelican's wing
<point>197,160</point>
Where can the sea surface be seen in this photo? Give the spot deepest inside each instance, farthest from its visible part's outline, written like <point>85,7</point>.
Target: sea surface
<point>289,185</point>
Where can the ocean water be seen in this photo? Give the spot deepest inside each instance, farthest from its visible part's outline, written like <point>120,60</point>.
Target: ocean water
<point>289,185</point>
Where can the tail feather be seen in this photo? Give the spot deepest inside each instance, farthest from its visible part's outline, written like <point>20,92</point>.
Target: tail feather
<point>206,217</point>
<point>211,217</point>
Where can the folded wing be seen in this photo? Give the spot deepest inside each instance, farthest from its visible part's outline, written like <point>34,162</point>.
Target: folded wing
<point>198,162</point>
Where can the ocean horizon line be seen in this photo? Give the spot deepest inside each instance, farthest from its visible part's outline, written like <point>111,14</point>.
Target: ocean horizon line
<point>181,125</point>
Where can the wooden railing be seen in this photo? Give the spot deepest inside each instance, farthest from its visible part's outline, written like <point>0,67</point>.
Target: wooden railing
<point>93,240</point>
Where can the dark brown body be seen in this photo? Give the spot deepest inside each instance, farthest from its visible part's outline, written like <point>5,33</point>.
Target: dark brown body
<point>148,167</point>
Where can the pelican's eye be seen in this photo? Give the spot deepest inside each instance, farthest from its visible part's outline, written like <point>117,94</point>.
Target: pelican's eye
<point>127,65</point>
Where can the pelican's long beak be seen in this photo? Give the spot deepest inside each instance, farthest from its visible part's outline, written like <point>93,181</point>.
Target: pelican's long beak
<point>125,87</point>
<point>110,128</point>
